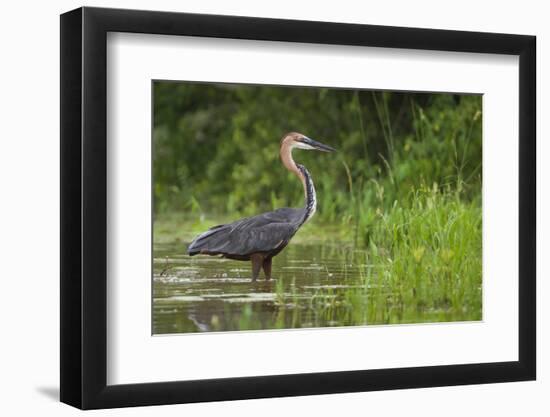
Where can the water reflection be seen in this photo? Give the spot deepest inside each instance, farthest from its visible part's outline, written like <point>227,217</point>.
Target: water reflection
<point>312,286</point>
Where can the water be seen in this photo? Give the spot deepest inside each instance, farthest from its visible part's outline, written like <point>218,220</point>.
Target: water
<point>313,285</point>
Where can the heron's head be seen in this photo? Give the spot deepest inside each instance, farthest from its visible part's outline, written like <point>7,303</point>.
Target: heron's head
<point>297,140</point>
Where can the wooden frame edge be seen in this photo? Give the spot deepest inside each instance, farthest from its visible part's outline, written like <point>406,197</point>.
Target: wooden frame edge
<point>83,208</point>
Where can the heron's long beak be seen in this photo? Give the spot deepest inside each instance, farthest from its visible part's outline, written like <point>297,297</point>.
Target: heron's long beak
<point>318,145</point>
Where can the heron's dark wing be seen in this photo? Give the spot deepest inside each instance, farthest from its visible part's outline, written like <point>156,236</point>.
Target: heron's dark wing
<point>262,233</point>
<point>207,241</point>
<point>267,238</point>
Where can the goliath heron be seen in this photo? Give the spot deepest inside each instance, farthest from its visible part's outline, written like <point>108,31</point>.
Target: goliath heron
<point>260,238</point>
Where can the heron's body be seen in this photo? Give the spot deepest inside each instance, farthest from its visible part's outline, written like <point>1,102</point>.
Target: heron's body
<point>259,238</point>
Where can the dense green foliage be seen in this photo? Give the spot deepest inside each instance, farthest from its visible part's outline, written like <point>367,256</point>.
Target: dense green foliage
<point>216,147</point>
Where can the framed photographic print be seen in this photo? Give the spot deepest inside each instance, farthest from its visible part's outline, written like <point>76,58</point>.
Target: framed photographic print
<point>257,207</point>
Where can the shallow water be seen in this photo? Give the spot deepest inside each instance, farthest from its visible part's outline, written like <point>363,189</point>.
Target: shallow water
<point>311,287</point>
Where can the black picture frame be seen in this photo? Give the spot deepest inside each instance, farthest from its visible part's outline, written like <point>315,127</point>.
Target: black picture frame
<point>84,207</point>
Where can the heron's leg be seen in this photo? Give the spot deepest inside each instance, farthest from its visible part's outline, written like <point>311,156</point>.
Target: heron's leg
<point>267,268</point>
<point>257,260</point>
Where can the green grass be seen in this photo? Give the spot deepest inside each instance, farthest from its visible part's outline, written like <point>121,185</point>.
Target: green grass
<point>431,257</point>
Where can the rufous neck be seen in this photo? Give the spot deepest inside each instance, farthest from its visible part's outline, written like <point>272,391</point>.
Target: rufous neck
<point>305,178</point>
<point>288,162</point>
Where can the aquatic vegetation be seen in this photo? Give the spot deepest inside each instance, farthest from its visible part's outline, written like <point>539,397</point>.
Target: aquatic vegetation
<point>422,264</point>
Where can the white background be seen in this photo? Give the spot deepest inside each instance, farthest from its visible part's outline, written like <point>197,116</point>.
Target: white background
<point>29,210</point>
<point>134,356</point>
